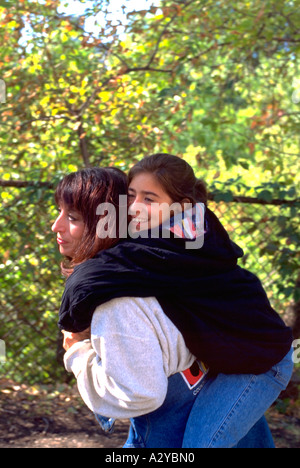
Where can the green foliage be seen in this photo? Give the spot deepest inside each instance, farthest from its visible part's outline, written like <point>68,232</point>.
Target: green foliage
<point>215,82</point>
<point>30,287</point>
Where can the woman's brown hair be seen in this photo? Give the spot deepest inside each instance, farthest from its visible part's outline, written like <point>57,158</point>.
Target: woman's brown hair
<point>175,175</point>
<point>83,191</point>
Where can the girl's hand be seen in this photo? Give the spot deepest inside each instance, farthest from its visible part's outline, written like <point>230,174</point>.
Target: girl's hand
<point>72,338</point>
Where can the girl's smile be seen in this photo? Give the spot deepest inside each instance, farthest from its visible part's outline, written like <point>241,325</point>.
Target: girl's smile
<point>146,199</point>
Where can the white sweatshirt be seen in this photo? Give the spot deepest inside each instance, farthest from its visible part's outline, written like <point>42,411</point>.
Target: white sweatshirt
<point>122,372</point>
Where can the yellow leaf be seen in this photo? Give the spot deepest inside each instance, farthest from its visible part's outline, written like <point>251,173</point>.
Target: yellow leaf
<point>76,126</point>
<point>104,96</point>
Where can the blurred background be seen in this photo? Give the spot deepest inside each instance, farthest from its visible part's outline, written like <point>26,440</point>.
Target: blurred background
<point>89,83</point>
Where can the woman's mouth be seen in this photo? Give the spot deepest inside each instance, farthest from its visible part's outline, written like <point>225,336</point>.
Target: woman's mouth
<point>60,241</point>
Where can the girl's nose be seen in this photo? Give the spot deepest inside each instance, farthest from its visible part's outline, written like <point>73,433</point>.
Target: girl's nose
<point>138,209</point>
<point>134,208</point>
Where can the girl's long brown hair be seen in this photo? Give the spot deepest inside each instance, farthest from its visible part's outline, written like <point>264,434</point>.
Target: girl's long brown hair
<point>174,174</point>
<point>83,191</point>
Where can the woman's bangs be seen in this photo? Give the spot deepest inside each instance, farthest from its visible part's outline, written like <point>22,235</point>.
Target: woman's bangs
<point>65,192</point>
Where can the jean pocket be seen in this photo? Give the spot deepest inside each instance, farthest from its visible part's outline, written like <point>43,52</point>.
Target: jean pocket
<point>282,371</point>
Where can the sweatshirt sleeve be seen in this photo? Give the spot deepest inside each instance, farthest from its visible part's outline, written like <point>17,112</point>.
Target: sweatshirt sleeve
<point>120,371</point>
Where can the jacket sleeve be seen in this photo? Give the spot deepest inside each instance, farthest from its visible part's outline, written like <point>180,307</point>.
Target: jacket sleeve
<point>119,372</point>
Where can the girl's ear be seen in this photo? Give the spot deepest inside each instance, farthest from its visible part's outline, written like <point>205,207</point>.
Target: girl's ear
<point>185,200</point>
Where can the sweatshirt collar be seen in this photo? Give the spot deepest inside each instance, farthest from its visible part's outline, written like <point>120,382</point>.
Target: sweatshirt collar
<point>189,223</point>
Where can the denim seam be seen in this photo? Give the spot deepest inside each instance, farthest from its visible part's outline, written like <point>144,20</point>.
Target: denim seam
<point>227,418</point>
<point>139,441</point>
<point>148,431</point>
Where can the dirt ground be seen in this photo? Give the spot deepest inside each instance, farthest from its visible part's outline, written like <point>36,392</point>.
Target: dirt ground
<point>55,417</point>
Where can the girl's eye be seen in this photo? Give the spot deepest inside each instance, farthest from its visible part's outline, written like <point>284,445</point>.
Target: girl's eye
<point>148,200</point>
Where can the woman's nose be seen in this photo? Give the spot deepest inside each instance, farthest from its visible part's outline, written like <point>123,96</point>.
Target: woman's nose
<point>57,226</point>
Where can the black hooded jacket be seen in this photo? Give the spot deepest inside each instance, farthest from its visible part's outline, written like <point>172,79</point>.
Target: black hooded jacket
<point>220,308</point>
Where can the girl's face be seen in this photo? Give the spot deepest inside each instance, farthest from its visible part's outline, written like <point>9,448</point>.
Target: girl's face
<point>69,227</point>
<point>148,202</point>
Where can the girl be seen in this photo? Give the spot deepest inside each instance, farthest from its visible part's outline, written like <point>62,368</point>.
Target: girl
<point>149,344</point>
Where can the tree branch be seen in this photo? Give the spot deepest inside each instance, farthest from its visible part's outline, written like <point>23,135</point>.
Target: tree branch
<point>147,68</point>
<point>25,183</point>
<point>83,146</point>
<point>255,200</point>
<point>153,55</point>
<point>45,119</point>
<point>211,196</point>
<point>283,39</point>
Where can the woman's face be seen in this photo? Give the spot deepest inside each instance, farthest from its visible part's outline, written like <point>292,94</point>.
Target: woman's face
<point>69,227</point>
<point>149,203</point>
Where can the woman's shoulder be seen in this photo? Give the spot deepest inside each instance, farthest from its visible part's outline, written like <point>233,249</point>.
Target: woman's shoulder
<point>128,313</point>
<point>128,305</point>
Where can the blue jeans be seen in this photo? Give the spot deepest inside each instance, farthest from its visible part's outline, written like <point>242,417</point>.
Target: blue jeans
<point>228,406</point>
<point>223,411</point>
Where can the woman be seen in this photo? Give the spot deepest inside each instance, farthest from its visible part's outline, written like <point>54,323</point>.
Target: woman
<point>81,356</point>
<point>78,197</point>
